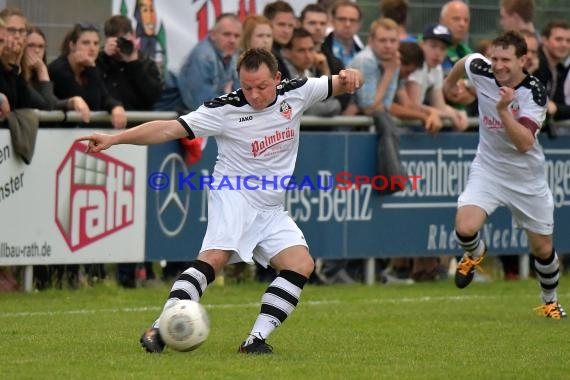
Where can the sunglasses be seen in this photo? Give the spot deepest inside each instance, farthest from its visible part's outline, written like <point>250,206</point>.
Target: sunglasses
<point>84,26</point>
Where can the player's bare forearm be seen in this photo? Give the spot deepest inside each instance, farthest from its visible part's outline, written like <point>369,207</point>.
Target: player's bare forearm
<point>383,86</point>
<point>520,135</point>
<point>152,132</point>
<point>450,87</point>
<point>381,89</point>
<point>406,112</point>
<point>347,81</point>
<point>457,71</point>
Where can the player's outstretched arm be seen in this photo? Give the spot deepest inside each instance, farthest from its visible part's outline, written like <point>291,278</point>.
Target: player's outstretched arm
<point>152,132</point>
<point>451,89</point>
<point>347,81</point>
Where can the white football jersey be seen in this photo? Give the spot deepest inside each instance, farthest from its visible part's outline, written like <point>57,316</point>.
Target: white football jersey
<point>496,153</point>
<point>260,145</point>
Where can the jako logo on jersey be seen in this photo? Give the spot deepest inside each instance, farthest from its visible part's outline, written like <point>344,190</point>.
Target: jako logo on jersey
<point>94,196</point>
<point>245,118</point>
<point>258,147</point>
<point>286,110</point>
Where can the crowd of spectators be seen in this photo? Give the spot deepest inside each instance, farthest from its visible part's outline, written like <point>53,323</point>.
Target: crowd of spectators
<point>404,75</point>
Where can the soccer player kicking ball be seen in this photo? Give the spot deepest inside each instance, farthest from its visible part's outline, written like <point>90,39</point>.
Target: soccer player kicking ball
<point>257,133</point>
<point>509,167</point>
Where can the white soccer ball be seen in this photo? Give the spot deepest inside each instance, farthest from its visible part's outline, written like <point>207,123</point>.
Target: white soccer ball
<point>184,325</point>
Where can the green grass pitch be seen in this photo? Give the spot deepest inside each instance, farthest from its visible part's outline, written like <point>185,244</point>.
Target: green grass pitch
<point>424,331</point>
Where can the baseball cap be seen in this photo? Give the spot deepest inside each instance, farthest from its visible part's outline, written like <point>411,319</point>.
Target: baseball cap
<point>437,32</point>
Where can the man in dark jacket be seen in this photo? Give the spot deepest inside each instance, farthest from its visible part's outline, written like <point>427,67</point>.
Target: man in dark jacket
<point>130,77</point>
<point>134,80</point>
<point>552,70</point>
<point>343,41</point>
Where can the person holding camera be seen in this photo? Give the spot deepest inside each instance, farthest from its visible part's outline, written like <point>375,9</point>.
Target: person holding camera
<point>130,77</point>
<point>135,81</point>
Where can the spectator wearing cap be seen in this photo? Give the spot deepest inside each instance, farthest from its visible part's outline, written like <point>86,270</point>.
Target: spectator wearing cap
<point>424,86</point>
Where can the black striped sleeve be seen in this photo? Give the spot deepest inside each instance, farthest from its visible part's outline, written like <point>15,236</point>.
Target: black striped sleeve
<point>191,134</point>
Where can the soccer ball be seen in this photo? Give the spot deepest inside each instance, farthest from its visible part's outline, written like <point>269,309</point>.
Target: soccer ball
<point>184,325</point>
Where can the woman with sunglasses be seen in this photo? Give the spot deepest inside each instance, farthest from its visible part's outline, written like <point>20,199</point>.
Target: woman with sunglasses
<point>74,73</point>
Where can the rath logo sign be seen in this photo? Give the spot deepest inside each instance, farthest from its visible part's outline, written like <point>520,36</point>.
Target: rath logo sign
<point>94,196</point>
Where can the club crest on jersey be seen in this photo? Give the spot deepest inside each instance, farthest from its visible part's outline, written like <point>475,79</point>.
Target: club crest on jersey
<point>286,110</point>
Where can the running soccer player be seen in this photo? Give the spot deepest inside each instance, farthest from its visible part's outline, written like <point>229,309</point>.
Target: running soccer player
<point>257,133</point>
<point>509,167</point>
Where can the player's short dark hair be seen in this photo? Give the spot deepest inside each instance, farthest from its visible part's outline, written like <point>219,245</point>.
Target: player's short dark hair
<point>117,25</point>
<point>278,6</point>
<point>298,33</point>
<point>512,38</point>
<point>555,24</point>
<point>411,54</point>
<point>252,59</point>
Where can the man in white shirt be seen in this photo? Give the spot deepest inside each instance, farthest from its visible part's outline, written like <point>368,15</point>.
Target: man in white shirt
<point>257,134</point>
<point>509,167</point>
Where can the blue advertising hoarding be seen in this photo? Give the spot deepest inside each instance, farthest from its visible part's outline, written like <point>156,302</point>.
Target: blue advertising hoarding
<point>354,223</point>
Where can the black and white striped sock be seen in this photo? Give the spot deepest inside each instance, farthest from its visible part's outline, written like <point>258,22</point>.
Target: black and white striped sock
<point>191,284</point>
<point>277,303</point>
<point>548,273</point>
<point>472,245</point>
